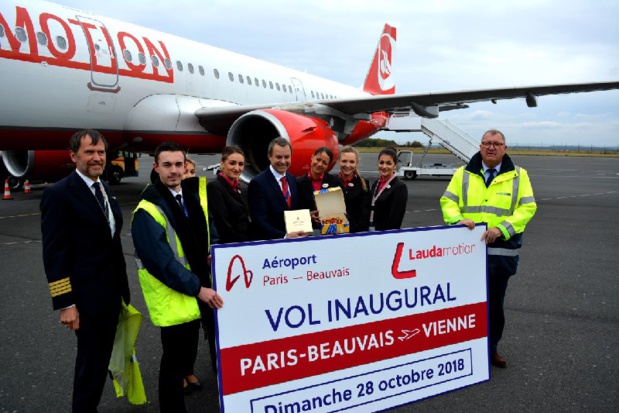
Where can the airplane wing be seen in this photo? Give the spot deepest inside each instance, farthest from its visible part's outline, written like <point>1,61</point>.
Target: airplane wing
<point>218,120</point>
<point>429,104</point>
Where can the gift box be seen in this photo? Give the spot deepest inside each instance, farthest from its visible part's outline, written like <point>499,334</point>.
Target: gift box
<point>298,220</point>
<point>332,211</point>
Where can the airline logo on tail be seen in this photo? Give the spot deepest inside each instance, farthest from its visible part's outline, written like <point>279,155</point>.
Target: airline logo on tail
<point>380,77</point>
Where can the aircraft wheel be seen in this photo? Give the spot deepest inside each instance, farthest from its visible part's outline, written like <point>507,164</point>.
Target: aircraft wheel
<point>410,175</point>
<point>15,183</point>
<point>114,175</point>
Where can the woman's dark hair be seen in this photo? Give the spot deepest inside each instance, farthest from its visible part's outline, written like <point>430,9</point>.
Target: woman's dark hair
<point>389,151</point>
<point>229,150</point>
<point>326,150</point>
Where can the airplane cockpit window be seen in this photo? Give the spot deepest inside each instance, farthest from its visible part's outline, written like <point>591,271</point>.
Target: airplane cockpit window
<point>231,76</point>
<point>142,58</point>
<point>190,68</point>
<point>62,42</point>
<point>179,66</point>
<point>20,33</point>
<point>167,63</point>
<point>241,78</point>
<point>249,80</point>
<point>216,73</point>
<point>42,38</point>
<point>127,55</point>
<point>201,70</point>
<point>155,61</point>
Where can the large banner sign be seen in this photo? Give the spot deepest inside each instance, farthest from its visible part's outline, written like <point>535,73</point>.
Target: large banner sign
<point>360,322</point>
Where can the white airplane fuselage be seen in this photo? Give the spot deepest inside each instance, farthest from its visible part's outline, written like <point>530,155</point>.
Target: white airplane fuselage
<point>110,75</point>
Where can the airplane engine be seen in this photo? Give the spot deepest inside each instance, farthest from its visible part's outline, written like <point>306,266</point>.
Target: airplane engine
<point>46,166</point>
<point>253,131</point>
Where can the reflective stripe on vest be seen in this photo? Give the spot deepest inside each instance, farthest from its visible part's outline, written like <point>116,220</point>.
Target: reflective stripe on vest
<point>499,212</point>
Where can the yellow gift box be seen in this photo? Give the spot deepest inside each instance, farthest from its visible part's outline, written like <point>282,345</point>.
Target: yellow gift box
<point>332,211</point>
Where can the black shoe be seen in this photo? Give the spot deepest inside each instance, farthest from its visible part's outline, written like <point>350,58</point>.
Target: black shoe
<point>187,389</point>
<point>195,386</point>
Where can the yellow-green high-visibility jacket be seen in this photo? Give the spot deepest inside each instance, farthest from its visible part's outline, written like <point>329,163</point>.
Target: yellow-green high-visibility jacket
<point>167,306</point>
<point>507,204</point>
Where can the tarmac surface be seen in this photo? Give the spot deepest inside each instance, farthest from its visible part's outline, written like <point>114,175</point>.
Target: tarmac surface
<point>561,340</point>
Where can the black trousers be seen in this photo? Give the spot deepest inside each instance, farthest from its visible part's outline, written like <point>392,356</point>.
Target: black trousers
<point>180,346</point>
<point>496,297</point>
<point>95,340</point>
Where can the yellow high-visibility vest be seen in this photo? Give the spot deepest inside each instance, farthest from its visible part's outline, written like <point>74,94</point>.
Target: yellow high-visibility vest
<point>166,306</point>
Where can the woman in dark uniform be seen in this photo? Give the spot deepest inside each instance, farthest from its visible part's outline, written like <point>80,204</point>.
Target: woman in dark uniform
<point>226,202</point>
<point>356,190</point>
<point>388,194</point>
<point>317,178</point>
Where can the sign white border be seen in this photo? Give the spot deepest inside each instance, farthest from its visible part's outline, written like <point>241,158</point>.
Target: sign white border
<point>308,323</point>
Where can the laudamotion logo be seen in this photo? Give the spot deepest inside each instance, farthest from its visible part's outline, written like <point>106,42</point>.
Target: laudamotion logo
<point>235,272</point>
<point>395,267</point>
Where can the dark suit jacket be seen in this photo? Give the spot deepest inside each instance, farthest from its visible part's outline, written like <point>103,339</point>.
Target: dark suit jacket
<point>390,206</point>
<point>229,211</point>
<point>78,245</point>
<point>267,204</point>
<point>357,204</point>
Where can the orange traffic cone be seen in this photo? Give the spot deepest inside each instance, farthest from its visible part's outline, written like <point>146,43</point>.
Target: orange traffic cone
<point>7,190</point>
<point>27,187</point>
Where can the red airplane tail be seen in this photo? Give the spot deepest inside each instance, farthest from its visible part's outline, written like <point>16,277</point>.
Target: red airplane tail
<point>379,80</point>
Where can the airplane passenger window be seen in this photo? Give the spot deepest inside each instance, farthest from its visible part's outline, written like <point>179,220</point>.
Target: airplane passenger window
<point>249,80</point>
<point>284,87</point>
<point>264,84</point>
<point>42,38</point>
<point>155,61</point>
<point>270,84</point>
<point>142,58</point>
<point>97,47</point>
<point>277,85</point>
<point>312,94</point>
<point>201,70</point>
<point>167,63</point>
<point>190,68</point>
<point>257,82</point>
<point>231,76</point>
<point>216,73</point>
<point>241,78</point>
<point>179,65</point>
<point>21,34</point>
<point>127,55</point>
<point>62,42</point>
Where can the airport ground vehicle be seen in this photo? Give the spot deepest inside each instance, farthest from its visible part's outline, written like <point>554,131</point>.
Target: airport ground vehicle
<point>408,170</point>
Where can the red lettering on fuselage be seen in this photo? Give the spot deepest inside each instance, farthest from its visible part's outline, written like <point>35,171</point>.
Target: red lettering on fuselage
<point>82,50</point>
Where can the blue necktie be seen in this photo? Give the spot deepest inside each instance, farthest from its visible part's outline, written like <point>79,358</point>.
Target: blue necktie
<point>491,173</point>
<point>179,198</point>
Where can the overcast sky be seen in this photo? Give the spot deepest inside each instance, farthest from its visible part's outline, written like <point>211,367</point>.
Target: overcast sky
<point>442,45</point>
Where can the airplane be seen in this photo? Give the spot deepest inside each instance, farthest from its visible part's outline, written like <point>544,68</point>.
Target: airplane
<point>65,69</point>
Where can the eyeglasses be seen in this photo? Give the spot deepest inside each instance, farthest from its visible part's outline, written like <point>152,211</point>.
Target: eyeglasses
<point>489,144</point>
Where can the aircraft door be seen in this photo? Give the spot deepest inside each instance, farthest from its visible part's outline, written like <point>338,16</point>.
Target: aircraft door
<point>299,90</point>
<point>103,59</point>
